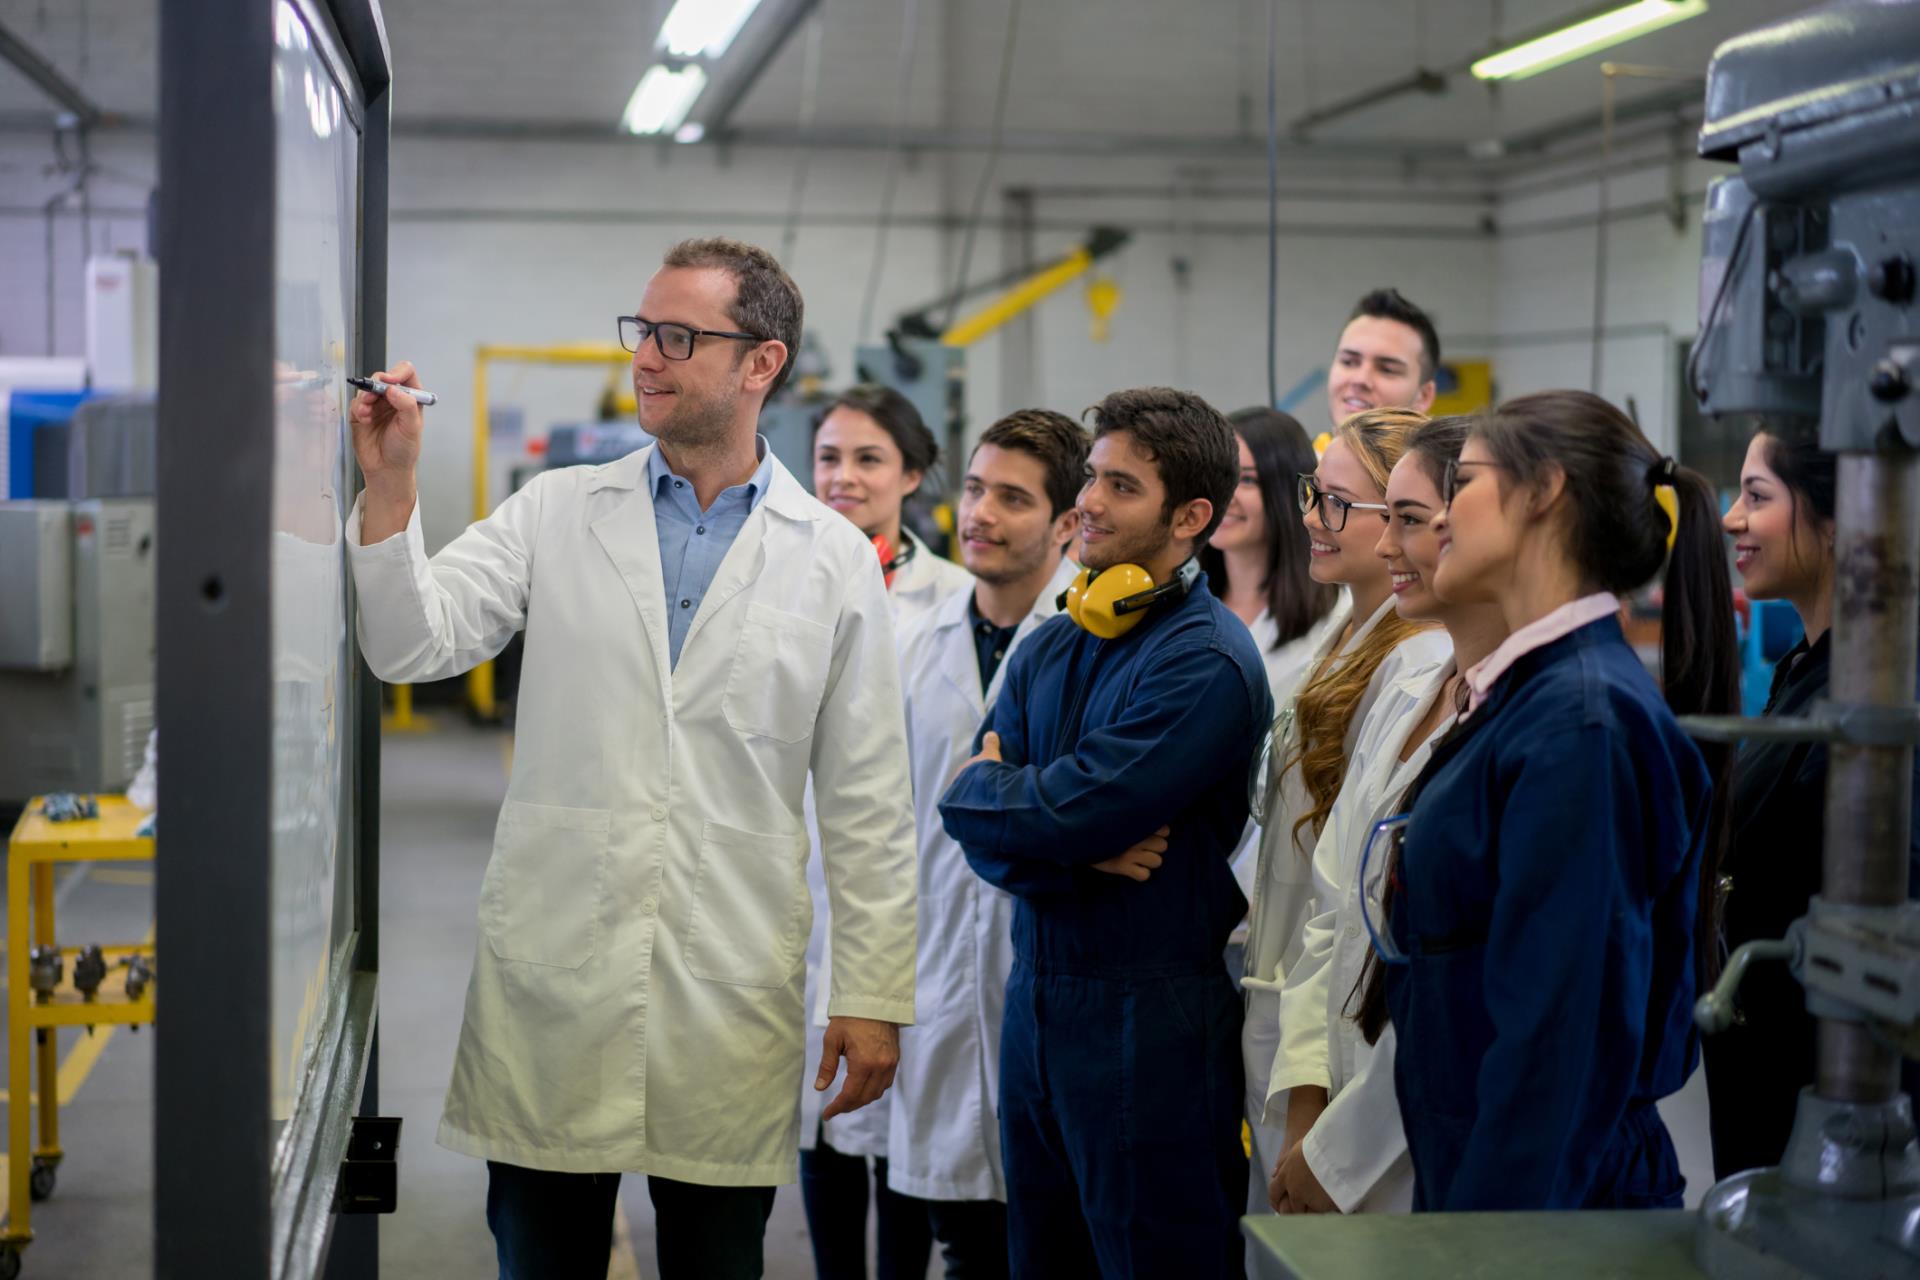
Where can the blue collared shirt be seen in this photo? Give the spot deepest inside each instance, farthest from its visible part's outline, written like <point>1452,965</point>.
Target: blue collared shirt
<point>694,542</point>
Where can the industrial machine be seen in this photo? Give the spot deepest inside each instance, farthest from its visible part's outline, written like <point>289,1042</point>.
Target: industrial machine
<point>77,624</point>
<point>1810,314</point>
<point>926,361</point>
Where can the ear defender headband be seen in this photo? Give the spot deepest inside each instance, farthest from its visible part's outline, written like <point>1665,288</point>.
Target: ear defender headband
<point>1110,602</point>
<point>890,559</point>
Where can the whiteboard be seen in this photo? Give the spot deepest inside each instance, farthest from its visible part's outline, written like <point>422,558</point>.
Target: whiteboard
<point>316,273</point>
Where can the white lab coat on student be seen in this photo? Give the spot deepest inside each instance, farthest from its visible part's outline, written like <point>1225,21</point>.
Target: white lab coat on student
<point>945,1140</point>
<point>1283,883</point>
<point>1286,668</point>
<point>636,998</point>
<point>1357,1148</point>
<point>917,586</point>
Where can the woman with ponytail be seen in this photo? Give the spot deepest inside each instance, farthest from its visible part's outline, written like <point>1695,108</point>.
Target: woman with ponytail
<point>1546,916</point>
<point>1367,647</point>
<point>1782,527</point>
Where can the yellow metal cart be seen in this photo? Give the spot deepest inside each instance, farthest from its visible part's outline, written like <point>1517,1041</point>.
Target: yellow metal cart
<point>33,1017</point>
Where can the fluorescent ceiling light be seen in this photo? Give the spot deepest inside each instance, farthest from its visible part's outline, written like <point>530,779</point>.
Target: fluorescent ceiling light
<point>1563,46</point>
<point>704,28</point>
<point>662,99</point>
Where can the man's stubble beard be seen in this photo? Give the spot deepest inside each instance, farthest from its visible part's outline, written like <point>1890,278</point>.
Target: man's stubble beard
<point>1150,545</point>
<point>1023,567</point>
<point>699,422</point>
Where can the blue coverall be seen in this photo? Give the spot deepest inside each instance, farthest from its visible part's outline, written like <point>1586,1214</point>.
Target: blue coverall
<point>1120,1074</point>
<point>1546,903</point>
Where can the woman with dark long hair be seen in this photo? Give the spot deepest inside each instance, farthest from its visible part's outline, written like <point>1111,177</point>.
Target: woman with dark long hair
<point>1549,901</point>
<point>1782,527</point>
<point>1257,560</point>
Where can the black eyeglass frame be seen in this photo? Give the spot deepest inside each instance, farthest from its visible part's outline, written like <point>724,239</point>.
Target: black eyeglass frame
<point>645,329</point>
<point>1450,478</point>
<point>1310,495</point>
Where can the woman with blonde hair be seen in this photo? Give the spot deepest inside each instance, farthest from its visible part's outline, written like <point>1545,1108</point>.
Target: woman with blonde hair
<point>1368,647</point>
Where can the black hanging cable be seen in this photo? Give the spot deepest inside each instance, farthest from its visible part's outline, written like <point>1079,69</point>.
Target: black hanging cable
<point>993,161</point>
<point>908,27</point>
<point>810,88</point>
<point>1273,207</point>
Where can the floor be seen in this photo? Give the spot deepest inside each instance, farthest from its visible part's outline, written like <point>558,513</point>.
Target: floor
<point>441,792</point>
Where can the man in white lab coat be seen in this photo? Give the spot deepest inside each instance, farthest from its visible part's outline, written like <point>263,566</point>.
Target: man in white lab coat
<point>1016,518</point>
<point>700,634</point>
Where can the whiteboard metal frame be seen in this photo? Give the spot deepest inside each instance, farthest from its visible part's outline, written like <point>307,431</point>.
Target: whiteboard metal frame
<point>223,1204</point>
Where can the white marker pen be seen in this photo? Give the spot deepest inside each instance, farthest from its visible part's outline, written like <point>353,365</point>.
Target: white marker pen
<point>379,388</point>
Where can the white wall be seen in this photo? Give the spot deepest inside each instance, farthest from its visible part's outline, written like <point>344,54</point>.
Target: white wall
<point>542,243</point>
<point>1544,309</point>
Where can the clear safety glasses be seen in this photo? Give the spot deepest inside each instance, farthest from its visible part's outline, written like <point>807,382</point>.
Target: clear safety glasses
<point>1383,843</point>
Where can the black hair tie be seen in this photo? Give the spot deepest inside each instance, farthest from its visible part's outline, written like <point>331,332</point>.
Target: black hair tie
<point>1662,472</point>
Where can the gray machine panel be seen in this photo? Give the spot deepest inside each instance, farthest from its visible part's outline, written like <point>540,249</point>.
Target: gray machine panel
<point>84,727</point>
<point>36,574</point>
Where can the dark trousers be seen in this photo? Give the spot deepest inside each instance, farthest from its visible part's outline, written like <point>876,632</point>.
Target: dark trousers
<point>972,1236</point>
<point>833,1186</point>
<point>1120,1106</point>
<point>559,1226</point>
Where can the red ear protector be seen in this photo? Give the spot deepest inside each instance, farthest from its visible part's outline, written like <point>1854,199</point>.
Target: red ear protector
<point>1110,602</point>
<point>891,560</point>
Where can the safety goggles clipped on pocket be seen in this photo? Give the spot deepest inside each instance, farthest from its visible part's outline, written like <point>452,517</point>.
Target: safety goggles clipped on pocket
<point>1383,842</point>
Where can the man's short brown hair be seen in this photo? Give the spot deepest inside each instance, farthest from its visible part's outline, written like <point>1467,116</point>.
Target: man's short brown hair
<point>1189,441</point>
<point>766,301</point>
<point>1059,443</point>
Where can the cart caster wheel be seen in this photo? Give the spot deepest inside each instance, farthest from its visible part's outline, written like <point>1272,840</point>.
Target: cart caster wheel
<point>9,1262</point>
<point>40,1186</point>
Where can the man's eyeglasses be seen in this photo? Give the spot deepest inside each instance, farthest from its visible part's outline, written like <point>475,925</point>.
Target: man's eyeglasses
<point>674,340</point>
<point>1333,508</point>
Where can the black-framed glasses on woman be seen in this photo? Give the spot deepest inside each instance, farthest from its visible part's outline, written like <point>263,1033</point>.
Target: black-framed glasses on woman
<point>674,340</point>
<point>1450,478</point>
<point>1333,507</point>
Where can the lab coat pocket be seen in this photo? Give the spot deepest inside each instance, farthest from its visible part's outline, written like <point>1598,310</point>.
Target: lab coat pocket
<point>751,909</point>
<point>779,674</point>
<point>540,902</point>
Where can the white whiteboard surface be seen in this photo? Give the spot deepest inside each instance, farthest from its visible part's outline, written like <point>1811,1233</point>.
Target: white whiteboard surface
<point>316,296</point>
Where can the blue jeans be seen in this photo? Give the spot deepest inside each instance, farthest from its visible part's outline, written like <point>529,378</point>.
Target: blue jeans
<point>559,1226</point>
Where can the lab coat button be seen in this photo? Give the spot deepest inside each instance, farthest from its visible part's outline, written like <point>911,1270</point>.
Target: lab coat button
<point>1353,930</point>
<point>649,906</point>
<point>659,813</point>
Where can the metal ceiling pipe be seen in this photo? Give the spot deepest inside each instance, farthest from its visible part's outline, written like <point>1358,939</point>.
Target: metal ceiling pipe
<point>736,73</point>
<point>48,78</point>
<point>1422,80</point>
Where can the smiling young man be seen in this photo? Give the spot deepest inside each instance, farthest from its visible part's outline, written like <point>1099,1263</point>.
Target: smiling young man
<point>1120,1067</point>
<point>1016,516</point>
<point>701,635</point>
<point>1387,358</point>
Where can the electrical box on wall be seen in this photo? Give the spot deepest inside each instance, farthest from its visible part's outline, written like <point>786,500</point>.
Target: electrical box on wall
<point>123,331</point>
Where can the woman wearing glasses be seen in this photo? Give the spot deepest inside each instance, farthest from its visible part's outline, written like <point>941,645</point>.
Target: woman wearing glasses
<point>1547,920</point>
<point>1367,647</point>
<point>1345,1151</point>
<point>870,453</point>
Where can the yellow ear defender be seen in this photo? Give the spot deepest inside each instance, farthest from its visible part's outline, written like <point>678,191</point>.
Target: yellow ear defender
<point>1110,602</point>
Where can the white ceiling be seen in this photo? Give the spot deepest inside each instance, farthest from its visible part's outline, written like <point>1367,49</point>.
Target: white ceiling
<point>1157,68</point>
